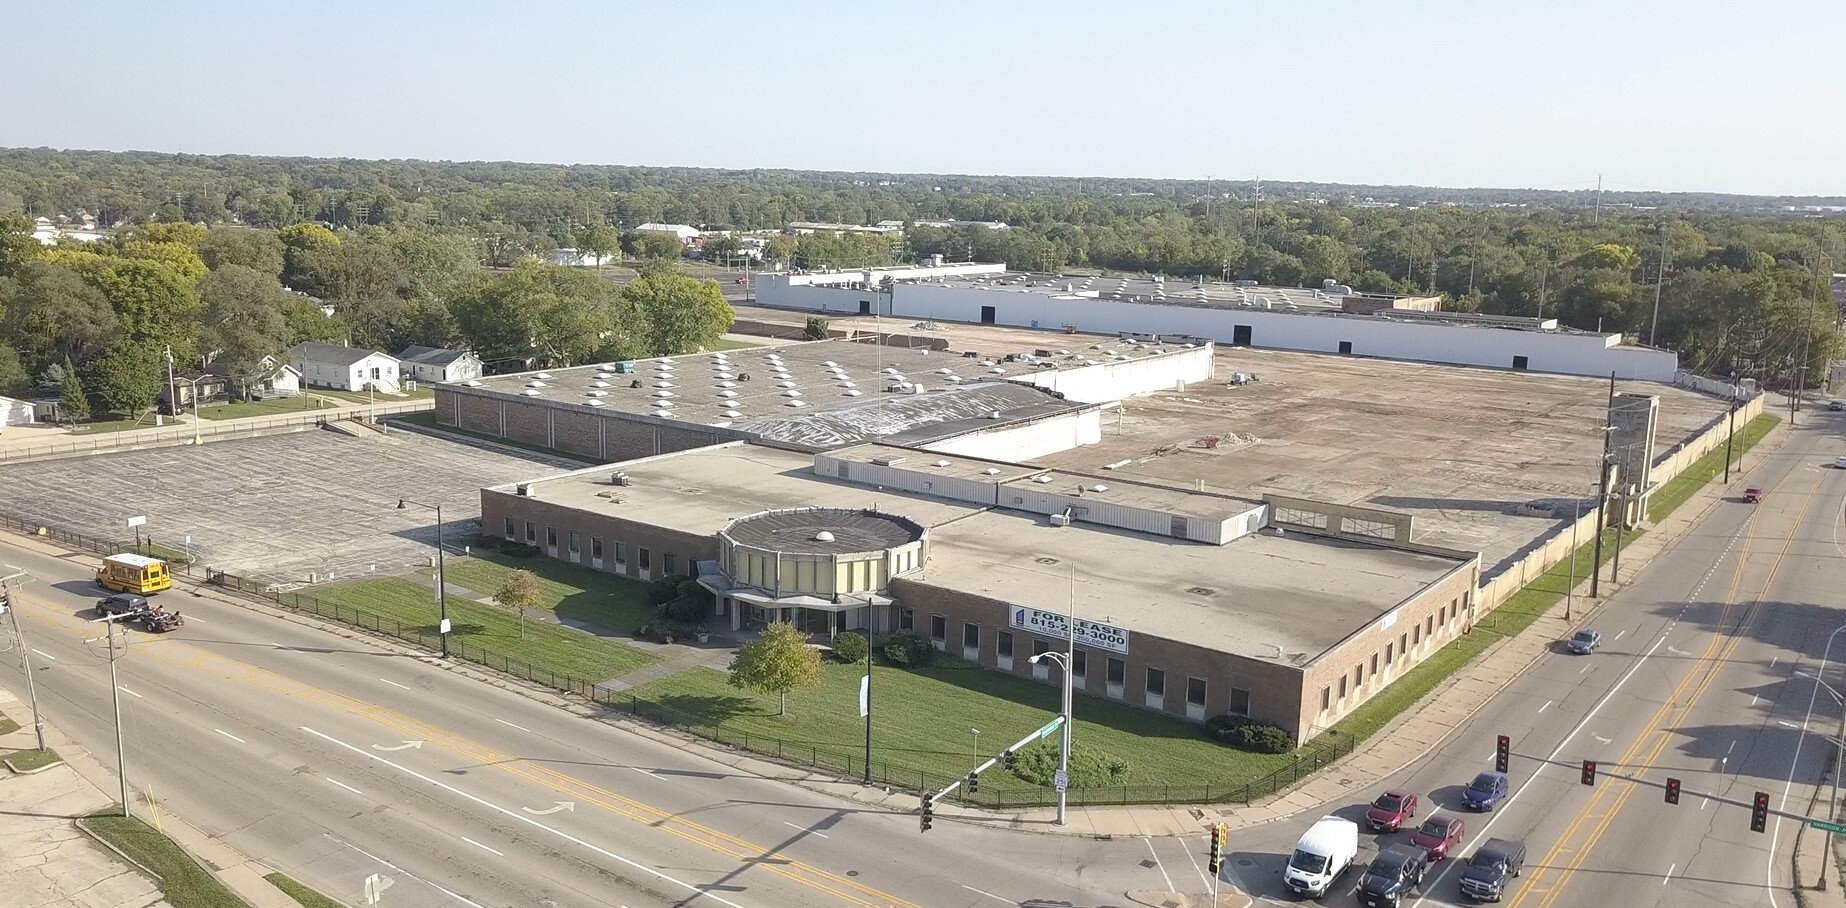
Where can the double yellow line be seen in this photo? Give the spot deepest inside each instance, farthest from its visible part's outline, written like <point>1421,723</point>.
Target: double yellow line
<point>748,853</point>
<point>1700,678</point>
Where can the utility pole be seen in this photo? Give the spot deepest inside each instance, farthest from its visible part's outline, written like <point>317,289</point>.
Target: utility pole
<point>1602,490</point>
<point>1730,432</point>
<point>1598,217</point>
<point>868,690</point>
<point>1660,280</point>
<point>442,580</point>
<point>1576,519</point>
<point>25,653</point>
<point>115,696</point>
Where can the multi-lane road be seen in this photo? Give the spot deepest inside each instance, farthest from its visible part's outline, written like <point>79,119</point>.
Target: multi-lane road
<point>1705,675</point>
<point>334,759</point>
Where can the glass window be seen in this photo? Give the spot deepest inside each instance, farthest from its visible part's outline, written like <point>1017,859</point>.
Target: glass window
<point>573,542</point>
<point>646,559</point>
<point>1374,663</point>
<point>596,547</point>
<point>510,531</point>
<point>1117,669</point>
<point>1081,663</point>
<point>938,627</point>
<point>1040,647</point>
<point>1342,687</point>
<point>1403,643</point>
<point>551,537</point>
<point>1326,698</point>
<point>621,553</point>
<point>1416,634</point>
<point>1358,675</point>
<point>531,533</point>
<point>1006,645</point>
<point>1388,653</point>
<point>1195,691</point>
<point>1156,683</point>
<point>971,636</point>
<point>666,562</point>
<point>907,620</point>
<point>1240,702</point>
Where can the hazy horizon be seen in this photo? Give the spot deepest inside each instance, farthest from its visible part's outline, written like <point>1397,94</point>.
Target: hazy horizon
<point>1657,97</point>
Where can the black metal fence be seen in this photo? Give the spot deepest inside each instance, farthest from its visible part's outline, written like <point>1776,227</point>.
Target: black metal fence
<point>96,545</point>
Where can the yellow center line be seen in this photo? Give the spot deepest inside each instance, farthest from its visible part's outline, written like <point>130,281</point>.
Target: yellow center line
<point>728,845</point>
<point>1706,671</point>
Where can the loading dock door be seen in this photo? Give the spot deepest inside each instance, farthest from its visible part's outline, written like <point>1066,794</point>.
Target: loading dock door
<point>865,307</point>
<point>987,315</point>
<point>1240,336</point>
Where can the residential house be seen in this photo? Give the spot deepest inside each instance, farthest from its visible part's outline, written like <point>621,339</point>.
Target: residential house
<point>344,368</point>
<point>684,232</point>
<point>192,387</point>
<point>273,378</point>
<point>435,364</point>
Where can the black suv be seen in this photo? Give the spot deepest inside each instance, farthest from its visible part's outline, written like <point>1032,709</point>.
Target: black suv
<point>121,604</point>
<point>1497,860</point>
<point>1392,875</point>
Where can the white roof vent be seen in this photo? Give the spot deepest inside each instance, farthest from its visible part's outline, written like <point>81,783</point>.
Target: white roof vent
<point>847,384</point>
<point>1099,488</point>
<point>785,384</point>
<point>663,394</point>
<point>473,384</point>
<point>664,414</point>
<point>791,393</point>
<point>823,536</point>
<point>831,364</point>
<point>853,393</point>
<point>595,394</point>
<point>724,376</point>
<point>992,471</point>
<point>535,384</point>
<point>727,384</point>
<point>542,375</point>
<point>730,414</point>
<point>727,394</point>
<point>996,371</point>
<point>796,403</point>
<point>1042,478</point>
<point>890,370</point>
<point>945,371</point>
<point>599,384</point>
<point>530,392</point>
<point>663,384</point>
<point>942,463</point>
<point>594,402</point>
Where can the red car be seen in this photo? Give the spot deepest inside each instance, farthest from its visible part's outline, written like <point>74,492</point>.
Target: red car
<point>1438,834</point>
<point>1391,810</point>
<point>1753,494</point>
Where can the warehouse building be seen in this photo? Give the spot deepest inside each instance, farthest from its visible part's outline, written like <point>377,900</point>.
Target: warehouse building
<point>1193,603</point>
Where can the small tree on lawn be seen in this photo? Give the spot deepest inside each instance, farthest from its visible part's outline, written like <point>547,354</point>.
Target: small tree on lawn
<point>71,400</point>
<point>780,662</point>
<point>519,591</point>
<point>815,329</point>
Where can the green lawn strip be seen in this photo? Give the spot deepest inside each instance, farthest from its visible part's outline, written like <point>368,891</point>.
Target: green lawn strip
<point>1681,488</point>
<point>272,407</point>
<point>604,600</point>
<point>28,760</point>
<point>182,880</point>
<point>7,725</point>
<point>307,897</point>
<point>427,418</point>
<point>922,722</point>
<point>362,397</point>
<point>120,424</point>
<point>725,343</point>
<point>564,650</point>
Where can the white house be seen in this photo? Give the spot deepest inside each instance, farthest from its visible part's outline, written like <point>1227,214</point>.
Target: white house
<point>344,368</point>
<point>572,258</point>
<point>435,364</point>
<point>686,233</point>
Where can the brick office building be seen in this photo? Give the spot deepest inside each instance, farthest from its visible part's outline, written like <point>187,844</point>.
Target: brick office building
<point>1186,602</point>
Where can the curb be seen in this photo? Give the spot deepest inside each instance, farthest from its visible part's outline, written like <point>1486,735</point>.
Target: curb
<point>32,772</point>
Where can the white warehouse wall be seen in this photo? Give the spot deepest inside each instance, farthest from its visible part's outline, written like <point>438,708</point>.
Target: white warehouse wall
<point>1116,379</point>
<point>1020,443</point>
<point>858,275</point>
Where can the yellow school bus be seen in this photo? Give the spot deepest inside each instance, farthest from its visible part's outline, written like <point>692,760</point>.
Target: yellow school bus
<point>134,574</point>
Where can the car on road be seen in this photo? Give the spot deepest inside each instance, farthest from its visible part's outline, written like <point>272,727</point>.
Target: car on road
<point>1391,810</point>
<point>1392,875</point>
<point>1753,494</point>
<point>1485,792</point>
<point>1836,405</point>
<point>1324,852</point>
<point>1438,834</point>
<point>1584,642</point>
<point>1496,861</point>
<point>120,604</point>
<point>1840,462</point>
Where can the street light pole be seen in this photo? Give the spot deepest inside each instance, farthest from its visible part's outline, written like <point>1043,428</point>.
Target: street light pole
<point>25,654</point>
<point>1839,749</point>
<point>115,698</point>
<point>442,584</point>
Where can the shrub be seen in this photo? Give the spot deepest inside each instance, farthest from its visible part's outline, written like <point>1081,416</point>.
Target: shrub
<point>684,610</point>
<point>850,647</point>
<point>815,329</point>
<point>907,649</point>
<point>484,541</point>
<point>519,550</point>
<point>1089,767</point>
<point>664,590</point>
<point>1245,733</point>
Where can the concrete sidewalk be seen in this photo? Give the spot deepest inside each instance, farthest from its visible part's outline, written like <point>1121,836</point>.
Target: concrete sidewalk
<point>46,861</point>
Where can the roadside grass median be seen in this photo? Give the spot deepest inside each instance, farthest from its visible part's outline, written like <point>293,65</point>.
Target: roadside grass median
<point>184,883</point>
<point>1681,488</point>
<point>275,406</point>
<point>302,894</point>
<point>7,725</point>
<point>563,650</point>
<point>924,722</point>
<point>29,760</point>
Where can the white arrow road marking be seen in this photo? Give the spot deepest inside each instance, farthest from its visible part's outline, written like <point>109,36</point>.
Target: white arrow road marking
<point>1603,739</point>
<point>399,746</point>
<point>561,805</point>
<point>1677,652</point>
<point>524,819</point>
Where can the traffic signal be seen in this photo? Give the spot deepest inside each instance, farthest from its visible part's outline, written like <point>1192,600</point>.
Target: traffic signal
<point>1759,812</point>
<point>974,781</point>
<point>1218,834</point>
<point>928,817</point>
<point>1502,750</point>
<point>1008,758</point>
<point>1672,791</point>
<point>1589,772</point>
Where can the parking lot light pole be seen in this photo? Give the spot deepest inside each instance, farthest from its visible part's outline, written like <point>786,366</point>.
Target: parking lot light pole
<point>442,585</point>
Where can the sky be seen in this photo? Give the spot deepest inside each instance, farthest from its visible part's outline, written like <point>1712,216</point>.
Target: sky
<point>1670,95</point>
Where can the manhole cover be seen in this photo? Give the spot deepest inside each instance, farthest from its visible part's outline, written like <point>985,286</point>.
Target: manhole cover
<point>1244,862</point>
<point>1201,590</point>
<point>852,873</point>
<point>1147,863</point>
<point>1046,560</point>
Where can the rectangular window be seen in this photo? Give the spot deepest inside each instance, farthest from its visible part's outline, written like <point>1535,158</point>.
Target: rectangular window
<point>1374,663</point>
<point>1081,664</point>
<point>596,547</point>
<point>1156,683</point>
<point>907,620</point>
<point>1416,634</point>
<point>1006,645</point>
<point>1403,643</point>
<point>938,627</point>
<point>1326,698</point>
<point>646,559</point>
<point>621,553</point>
<point>573,542</point>
<point>1240,702</point>
<point>1453,605</point>
<point>1429,625</point>
<point>551,537</point>
<point>1195,691</point>
<point>1358,675</point>
<point>1342,687</point>
<point>971,635</point>
<point>666,562</point>
<point>531,533</point>
<point>1040,647</point>
<point>1117,669</point>
<point>510,531</point>
<point>1388,653</point>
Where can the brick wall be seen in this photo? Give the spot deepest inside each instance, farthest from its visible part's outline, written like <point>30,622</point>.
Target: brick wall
<point>497,506</point>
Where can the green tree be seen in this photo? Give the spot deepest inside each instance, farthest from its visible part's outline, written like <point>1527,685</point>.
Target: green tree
<point>720,250</point>
<point>243,321</point>
<point>654,245</point>
<point>519,591</point>
<point>182,259</point>
<point>815,329</point>
<point>780,662</point>
<point>180,233</point>
<point>434,265</point>
<point>309,255</point>
<point>307,322</point>
<point>560,315</point>
<point>13,374</point>
<point>156,302</point>
<point>54,313</point>
<point>780,247</point>
<point>71,398</point>
<point>260,250</point>
<point>126,377</point>
<point>16,243</point>
<point>600,240</point>
<point>681,314</point>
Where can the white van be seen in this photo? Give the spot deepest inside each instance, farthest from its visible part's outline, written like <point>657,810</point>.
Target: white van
<point>1324,853</point>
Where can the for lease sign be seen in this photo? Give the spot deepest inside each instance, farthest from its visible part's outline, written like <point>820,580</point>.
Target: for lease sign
<point>1055,626</point>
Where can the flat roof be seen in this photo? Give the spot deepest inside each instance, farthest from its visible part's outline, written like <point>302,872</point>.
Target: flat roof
<point>1282,600</point>
<point>1145,289</point>
<point>814,394</point>
<point>824,531</point>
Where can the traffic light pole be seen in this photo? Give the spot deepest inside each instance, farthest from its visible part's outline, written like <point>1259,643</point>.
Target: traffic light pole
<point>1591,770</point>
<point>972,779</point>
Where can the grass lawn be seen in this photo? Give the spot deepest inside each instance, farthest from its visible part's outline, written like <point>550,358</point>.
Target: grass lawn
<point>360,397</point>
<point>307,897</point>
<point>728,344</point>
<point>578,593</point>
<point>923,721</point>
<point>28,760</point>
<point>1669,497</point>
<point>427,418</point>
<point>182,880</point>
<point>274,407</point>
<point>472,624</point>
<point>119,424</point>
<point>7,725</point>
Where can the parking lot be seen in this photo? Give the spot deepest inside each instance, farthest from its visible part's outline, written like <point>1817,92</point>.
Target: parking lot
<point>289,508</point>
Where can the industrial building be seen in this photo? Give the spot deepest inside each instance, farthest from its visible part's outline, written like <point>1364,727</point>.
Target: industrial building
<point>1328,320</point>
